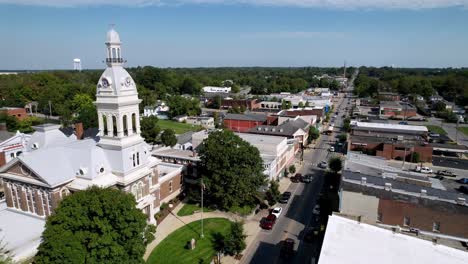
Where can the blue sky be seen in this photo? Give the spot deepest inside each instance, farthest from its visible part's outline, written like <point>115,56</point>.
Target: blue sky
<point>48,34</point>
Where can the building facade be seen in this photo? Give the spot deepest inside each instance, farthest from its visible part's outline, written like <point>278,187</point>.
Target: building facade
<point>244,122</point>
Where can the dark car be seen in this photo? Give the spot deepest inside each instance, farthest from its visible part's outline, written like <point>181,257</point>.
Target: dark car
<point>463,189</point>
<point>287,248</point>
<point>403,123</point>
<point>285,197</point>
<point>268,222</point>
<point>296,178</point>
<point>446,173</point>
<point>463,181</point>
<point>307,179</point>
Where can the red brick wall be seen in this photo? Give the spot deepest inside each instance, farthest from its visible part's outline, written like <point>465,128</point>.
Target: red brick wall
<point>423,218</point>
<point>165,186</point>
<point>241,125</point>
<point>19,113</point>
<point>2,159</point>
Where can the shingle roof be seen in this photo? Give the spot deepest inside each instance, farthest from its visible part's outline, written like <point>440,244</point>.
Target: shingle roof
<point>185,137</point>
<point>247,117</point>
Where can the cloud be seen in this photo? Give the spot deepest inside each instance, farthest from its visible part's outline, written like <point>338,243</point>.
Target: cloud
<point>336,4</point>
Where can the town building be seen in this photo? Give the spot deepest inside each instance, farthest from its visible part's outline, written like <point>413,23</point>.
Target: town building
<point>354,241</point>
<point>249,104</point>
<point>18,112</point>
<point>381,194</point>
<point>214,89</point>
<point>244,122</point>
<point>396,110</point>
<point>161,111</point>
<point>55,165</point>
<point>204,121</point>
<point>13,146</point>
<point>389,96</point>
<point>391,141</point>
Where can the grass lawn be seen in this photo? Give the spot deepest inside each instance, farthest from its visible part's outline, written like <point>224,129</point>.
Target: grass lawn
<point>172,248</point>
<point>189,209</point>
<point>464,130</point>
<point>179,128</point>
<point>436,129</point>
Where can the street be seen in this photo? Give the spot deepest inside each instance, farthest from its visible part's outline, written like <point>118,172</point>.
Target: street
<point>297,215</point>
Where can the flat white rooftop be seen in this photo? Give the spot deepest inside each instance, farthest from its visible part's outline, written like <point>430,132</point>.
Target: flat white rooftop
<point>390,126</point>
<point>347,241</point>
<point>261,139</point>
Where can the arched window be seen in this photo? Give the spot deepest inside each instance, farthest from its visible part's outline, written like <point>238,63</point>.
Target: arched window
<point>134,122</point>
<point>170,186</point>
<point>114,125</point>
<point>138,158</point>
<point>134,164</point>
<point>125,126</point>
<point>135,191</point>
<point>18,153</point>
<point>104,121</point>
<point>140,190</point>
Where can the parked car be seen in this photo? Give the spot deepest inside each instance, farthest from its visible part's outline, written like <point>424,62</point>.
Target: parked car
<point>463,181</point>
<point>332,149</point>
<point>296,178</point>
<point>285,197</point>
<point>323,164</point>
<point>277,211</point>
<point>439,177</point>
<point>423,169</point>
<point>446,173</point>
<point>463,189</point>
<point>307,178</point>
<point>310,233</point>
<point>287,248</point>
<point>268,222</point>
<point>434,135</point>
<point>403,123</point>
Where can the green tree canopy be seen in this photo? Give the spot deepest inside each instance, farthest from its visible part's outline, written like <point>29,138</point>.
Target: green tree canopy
<point>95,226</point>
<point>231,168</point>
<point>168,137</point>
<point>83,106</point>
<point>335,164</point>
<point>235,241</point>
<point>314,134</point>
<point>150,129</point>
<point>273,193</point>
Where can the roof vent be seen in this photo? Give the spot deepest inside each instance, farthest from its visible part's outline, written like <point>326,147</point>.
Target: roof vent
<point>388,186</point>
<point>259,128</point>
<point>273,129</point>
<point>423,193</point>
<point>363,180</point>
<point>35,146</point>
<point>266,128</point>
<point>281,130</point>
<point>461,201</point>
<point>83,171</point>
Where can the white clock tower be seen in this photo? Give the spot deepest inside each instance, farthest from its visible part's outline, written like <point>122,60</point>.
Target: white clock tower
<point>118,113</point>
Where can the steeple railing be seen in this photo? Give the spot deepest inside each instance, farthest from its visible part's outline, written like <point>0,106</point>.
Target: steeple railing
<point>116,60</point>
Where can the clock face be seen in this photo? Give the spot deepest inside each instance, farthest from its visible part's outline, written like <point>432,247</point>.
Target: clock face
<point>128,82</point>
<point>105,83</point>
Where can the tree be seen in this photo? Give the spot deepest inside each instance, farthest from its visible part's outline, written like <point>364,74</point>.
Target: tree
<point>335,164</point>
<point>440,106</point>
<point>150,129</point>
<point>179,105</point>
<point>190,86</point>
<point>95,226</point>
<point>347,124</point>
<point>231,168</point>
<point>235,240</point>
<point>416,158</point>
<point>168,137</point>
<point>292,169</point>
<point>300,105</point>
<point>235,88</point>
<point>83,106</point>
<point>5,257</point>
<point>342,137</point>
<point>273,193</point>
<point>314,134</point>
<point>307,104</point>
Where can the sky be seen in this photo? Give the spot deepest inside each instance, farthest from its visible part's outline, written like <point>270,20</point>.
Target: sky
<point>49,34</point>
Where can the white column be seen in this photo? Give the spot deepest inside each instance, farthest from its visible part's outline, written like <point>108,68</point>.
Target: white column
<point>101,124</point>
<point>119,125</point>
<point>137,122</point>
<point>129,124</point>
<point>110,126</point>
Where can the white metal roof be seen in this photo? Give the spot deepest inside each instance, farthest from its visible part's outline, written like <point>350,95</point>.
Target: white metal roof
<point>347,241</point>
<point>391,126</point>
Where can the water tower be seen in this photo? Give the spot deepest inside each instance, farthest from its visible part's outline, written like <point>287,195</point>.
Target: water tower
<point>77,64</point>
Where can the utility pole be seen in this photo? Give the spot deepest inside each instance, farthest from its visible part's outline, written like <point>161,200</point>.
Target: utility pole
<point>202,187</point>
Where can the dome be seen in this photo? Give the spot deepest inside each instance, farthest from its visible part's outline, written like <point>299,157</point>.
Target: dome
<point>112,36</point>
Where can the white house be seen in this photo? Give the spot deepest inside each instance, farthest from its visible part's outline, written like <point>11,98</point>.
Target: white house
<point>214,89</point>
<point>13,147</point>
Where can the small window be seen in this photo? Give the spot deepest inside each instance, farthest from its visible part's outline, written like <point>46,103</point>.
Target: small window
<point>406,221</point>
<point>170,186</point>
<point>134,164</point>
<point>12,155</point>
<point>101,170</point>
<point>379,217</point>
<point>138,158</point>
<point>436,226</point>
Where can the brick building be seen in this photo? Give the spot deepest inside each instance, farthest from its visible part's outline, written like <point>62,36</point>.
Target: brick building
<point>249,104</point>
<point>389,96</point>
<point>395,109</point>
<point>244,122</point>
<point>18,112</point>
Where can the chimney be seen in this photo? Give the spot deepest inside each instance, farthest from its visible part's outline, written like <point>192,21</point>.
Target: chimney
<point>461,201</point>
<point>79,131</point>
<point>423,193</point>
<point>3,127</point>
<point>363,180</point>
<point>359,218</point>
<point>388,186</point>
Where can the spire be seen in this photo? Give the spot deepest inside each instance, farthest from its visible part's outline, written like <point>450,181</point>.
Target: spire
<point>114,55</point>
